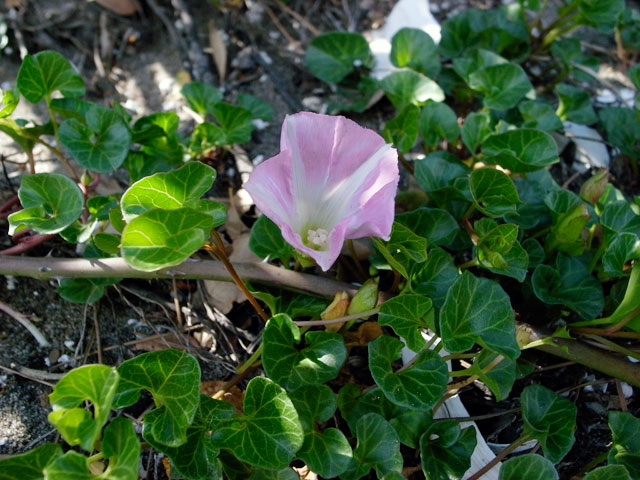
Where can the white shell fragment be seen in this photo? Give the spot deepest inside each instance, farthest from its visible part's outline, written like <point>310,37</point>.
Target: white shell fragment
<point>589,153</point>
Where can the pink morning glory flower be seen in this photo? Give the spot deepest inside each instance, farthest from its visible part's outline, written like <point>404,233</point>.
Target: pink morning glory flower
<point>333,180</point>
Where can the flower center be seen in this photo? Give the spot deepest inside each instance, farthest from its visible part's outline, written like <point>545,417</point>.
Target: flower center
<point>317,239</point>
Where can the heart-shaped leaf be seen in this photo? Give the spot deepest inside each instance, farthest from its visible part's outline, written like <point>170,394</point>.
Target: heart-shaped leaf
<point>437,171</point>
<point>121,447</point>
<point>197,458</point>
<point>521,150</point>
<point>448,455</point>
<point>550,419</point>
<point>499,378</point>
<point>10,99</point>
<point>539,115</point>
<point>494,193</point>
<point>51,203</point>
<point>332,56</point>
<point>235,123</point>
<point>29,466</point>
<point>258,107</point>
<point>434,224</point>
<point>201,97</point>
<point>623,247</point>
<point>163,238</point>
<point>403,250</point>
<point>408,315</point>
<point>270,421</point>
<point>173,377</point>
<point>408,87</point>
<point>503,85</point>
<point>290,365</point>
<point>601,13</point>
<point>45,72</point>
<point>434,277</point>
<point>475,130</point>
<point>415,49</point>
<point>101,144</point>
<point>418,387</point>
<point>438,121</point>
<point>626,443</point>
<point>96,383</point>
<point>608,472</point>
<point>574,104</point>
<point>266,241</point>
<point>529,466</point>
<point>402,130</point>
<point>478,310</point>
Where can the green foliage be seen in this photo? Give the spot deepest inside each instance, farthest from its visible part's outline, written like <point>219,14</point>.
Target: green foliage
<point>46,72</point>
<point>532,466</point>
<point>405,87</point>
<point>445,450</point>
<point>332,56</point>
<point>266,241</point>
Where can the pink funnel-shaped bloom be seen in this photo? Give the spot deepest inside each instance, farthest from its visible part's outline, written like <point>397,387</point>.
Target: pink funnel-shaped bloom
<point>333,180</point>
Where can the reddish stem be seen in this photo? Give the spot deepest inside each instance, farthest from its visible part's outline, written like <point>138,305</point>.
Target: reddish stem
<point>26,244</point>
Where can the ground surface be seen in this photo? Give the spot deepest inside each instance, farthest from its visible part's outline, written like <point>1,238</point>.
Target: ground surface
<point>142,61</point>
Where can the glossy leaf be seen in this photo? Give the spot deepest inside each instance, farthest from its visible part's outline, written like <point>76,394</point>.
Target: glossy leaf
<point>403,249</point>
<point>121,448</point>
<point>173,378</point>
<point>477,310</point>
<point>619,217</point>
<point>235,123</point>
<point>51,203</point>
<point>415,49</point>
<point>608,472</point>
<point>10,99</point>
<point>522,150</point>
<point>290,364</point>
<point>29,466</point>
<point>623,248</point>
<point>332,56</point>
<point>437,170</point>
<point>438,121</point>
<point>475,130</point>
<point>101,144</point>
<point>499,378</point>
<point>601,13</point>
<point>569,284</point>
<point>574,104</point>
<point>529,466</point>
<point>434,277</point>
<point>70,465</point>
<point>266,241</point>
<point>80,290</point>
<point>493,192</point>
<point>503,85</point>
<point>293,304</point>
<point>95,383</point>
<point>196,459</point>
<point>175,189</point>
<point>408,315</point>
<point>539,115</point>
<point>626,443</point>
<point>418,387</point>
<point>550,419</point>
<point>269,421</point>
<point>434,224</point>
<point>163,238</point>
<point>201,97</point>
<point>402,130</point>
<point>623,129</point>
<point>408,87</point>
<point>46,72</point>
<point>448,456</point>
<point>258,107</point>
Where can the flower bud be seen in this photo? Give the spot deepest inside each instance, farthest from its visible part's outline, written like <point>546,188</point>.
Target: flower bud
<point>365,298</point>
<point>336,309</point>
<point>592,189</point>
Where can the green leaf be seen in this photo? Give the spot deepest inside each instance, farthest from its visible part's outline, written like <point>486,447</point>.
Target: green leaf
<point>569,284</point>
<point>494,193</point>
<point>539,115</point>
<point>623,247</point>
<point>29,466</point>
<point>71,465</point>
<point>502,85</point>
<point>633,72</point>
<point>434,277</point>
<point>201,97</point>
<point>266,241</point>
<point>291,365</point>
<point>269,421</point>
<point>408,87</point>
<point>403,249</point>
<point>99,206</point>
<point>550,419</point>
<point>100,145</point>
<point>448,456</point>
<point>378,448</point>
<point>96,383</point>
<point>327,453</point>
<point>438,121</point>
<point>475,130</point>
<point>258,107</point>
<point>235,123</point>
<point>437,171</point>
<point>173,378</point>
<point>418,387</point>
<point>164,238</point>
<point>499,378</point>
<point>197,458</point>
<point>498,249</point>
<point>535,252</point>
<point>80,290</point>
<point>334,55</point>
<point>109,243</point>
<point>601,13</point>
<point>608,472</point>
<point>10,99</point>
<point>478,310</point>
<point>402,130</point>
<point>568,52</point>
<point>626,443</point>
<point>434,224</point>
<point>619,217</point>
<point>51,203</point>
<point>570,217</point>
<point>521,150</point>
<point>408,315</point>
<point>529,466</point>
<point>415,49</point>
<point>172,190</point>
<point>574,104</point>
<point>121,447</point>
<point>293,304</point>
<point>623,129</point>
<point>45,72</point>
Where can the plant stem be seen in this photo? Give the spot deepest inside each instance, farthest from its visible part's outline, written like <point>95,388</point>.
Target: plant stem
<point>471,263</point>
<point>95,458</point>
<point>516,443</point>
<point>251,360</point>
<point>347,318</point>
<point>26,323</point>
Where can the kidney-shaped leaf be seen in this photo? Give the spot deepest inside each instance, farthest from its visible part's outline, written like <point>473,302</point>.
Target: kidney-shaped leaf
<point>494,193</point>
<point>408,87</point>
<point>101,144</point>
<point>51,203</point>
<point>173,377</point>
<point>503,85</point>
<point>522,150</point>
<point>201,97</point>
<point>415,49</point>
<point>448,455</point>
<point>408,315</point>
<point>332,56</point>
<point>269,433</point>
<point>550,419</point>
<point>29,466</point>
<point>418,387</point>
<point>96,383</point>
<point>44,73</point>
<point>478,310</point>
<point>529,466</point>
<point>292,366</point>
<point>163,238</point>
